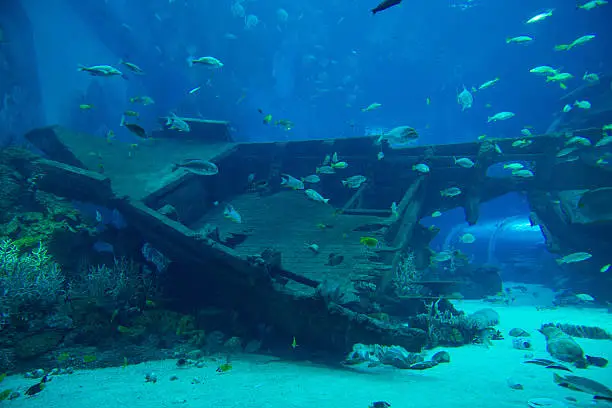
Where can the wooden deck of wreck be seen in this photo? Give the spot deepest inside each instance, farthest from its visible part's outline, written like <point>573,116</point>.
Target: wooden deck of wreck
<point>288,223</point>
<point>285,220</point>
<point>140,182</point>
<point>135,169</point>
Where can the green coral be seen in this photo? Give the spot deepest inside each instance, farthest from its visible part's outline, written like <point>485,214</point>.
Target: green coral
<point>28,242</point>
<point>6,393</point>
<point>31,282</point>
<point>185,326</point>
<point>29,215</point>
<point>35,227</point>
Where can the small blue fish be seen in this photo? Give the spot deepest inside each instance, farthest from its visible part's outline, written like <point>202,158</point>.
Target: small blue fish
<point>102,247</point>
<point>231,214</point>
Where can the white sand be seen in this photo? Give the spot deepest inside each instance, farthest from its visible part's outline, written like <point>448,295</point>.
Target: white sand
<point>476,377</point>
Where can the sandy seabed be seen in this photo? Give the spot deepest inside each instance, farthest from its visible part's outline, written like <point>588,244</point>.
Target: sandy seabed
<point>477,376</point>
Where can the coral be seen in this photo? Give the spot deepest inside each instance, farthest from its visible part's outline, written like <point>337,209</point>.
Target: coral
<point>373,354</point>
<point>445,325</point>
<point>185,325</point>
<point>406,274</point>
<point>483,318</point>
<point>38,344</point>
<point>154,256</point>
<point>29,282</point>
<point>28,215</point>
<point>451,336</point>
<point>59,227</point>
<point>399,357</point>
<point>119,283</point>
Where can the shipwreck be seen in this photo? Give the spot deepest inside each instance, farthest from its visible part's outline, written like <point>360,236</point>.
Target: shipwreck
<point>332,297</point>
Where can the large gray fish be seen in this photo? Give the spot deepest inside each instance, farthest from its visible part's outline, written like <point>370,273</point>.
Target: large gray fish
<point>573,382</point>
<point>385,5</point>
<point>197,166</point>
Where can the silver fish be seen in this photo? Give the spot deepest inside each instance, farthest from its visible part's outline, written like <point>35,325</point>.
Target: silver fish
<point>197,166</point>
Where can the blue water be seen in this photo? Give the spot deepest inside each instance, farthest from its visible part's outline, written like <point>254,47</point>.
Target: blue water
<point>317,64</point>
<point>318,68</point>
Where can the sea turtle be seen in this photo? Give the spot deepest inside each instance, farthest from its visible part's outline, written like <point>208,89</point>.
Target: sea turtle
<point>563,347</point>
<point>583,384</point>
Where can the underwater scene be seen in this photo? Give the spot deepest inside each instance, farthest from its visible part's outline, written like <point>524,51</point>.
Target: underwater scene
<point>275,204</point>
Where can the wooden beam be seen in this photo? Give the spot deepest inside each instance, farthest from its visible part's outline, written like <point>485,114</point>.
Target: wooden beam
<point>400,232</point>
<point>396,225</point>
<point>365,211</point>
<point>351,202</point>
<point>74,182</point>
<point>183,176</point>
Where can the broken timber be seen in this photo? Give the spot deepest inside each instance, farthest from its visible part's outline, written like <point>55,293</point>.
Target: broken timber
<point>93,178</point>
<point>276,220</point>
<point>400,231</point>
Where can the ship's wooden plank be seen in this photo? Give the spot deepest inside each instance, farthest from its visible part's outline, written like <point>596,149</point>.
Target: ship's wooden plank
<point>400,232</point>
<point>180,242</point>
<point>135,169</point>
<point>206,130</point>
<point>180,177</point>
<point>289,222</point>
<point>74,182</point>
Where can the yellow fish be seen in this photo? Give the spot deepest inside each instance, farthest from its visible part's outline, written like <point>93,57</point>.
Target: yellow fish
<point>131,113</point>
<point>225,367</point>
<point>369,242</point>
<point>89,358</point>
<point>63,357</point>
<point>267,119</point>
<point>294,343</point>
<point>242,98</point>
<point>85,106</point>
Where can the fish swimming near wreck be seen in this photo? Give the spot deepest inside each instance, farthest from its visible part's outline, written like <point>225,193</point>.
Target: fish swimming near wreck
<point>197,166</point>
<point>385,5</point>
<point>136,129</point>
